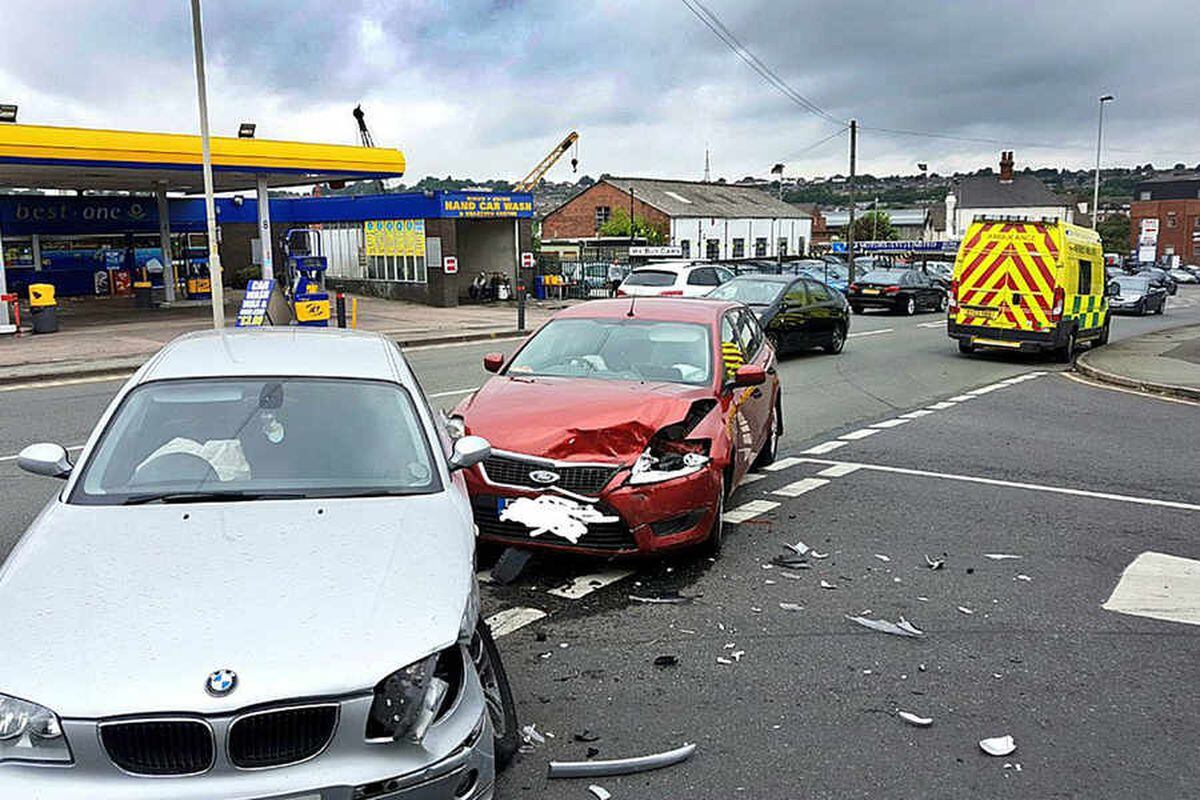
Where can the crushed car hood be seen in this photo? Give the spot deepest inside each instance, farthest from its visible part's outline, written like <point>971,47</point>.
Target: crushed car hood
<point>575,419</point>
<point>111,610</point>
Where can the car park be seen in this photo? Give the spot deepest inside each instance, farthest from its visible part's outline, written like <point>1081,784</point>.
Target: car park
<point>620,427</point>
<point>1136,294</point>
<point>835,276</point>
<point>1160,277</point>
<point>903,291</point>
<point>237,593</point>
<point>1181,275</point>
<point>673,279</point>
<point>797,313</point>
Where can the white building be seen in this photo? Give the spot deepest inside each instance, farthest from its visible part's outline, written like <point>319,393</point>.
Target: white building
<point>1006,194</point>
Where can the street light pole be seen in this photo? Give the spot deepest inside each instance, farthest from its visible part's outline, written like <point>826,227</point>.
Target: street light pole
<point>1099,138</point>
<point>210,212</point>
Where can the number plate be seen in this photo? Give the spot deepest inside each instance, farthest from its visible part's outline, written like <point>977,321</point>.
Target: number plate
<point>986,313</point>
<point>870,291</point>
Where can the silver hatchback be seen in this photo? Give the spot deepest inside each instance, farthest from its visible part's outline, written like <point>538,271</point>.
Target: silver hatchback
<point>257,582</point>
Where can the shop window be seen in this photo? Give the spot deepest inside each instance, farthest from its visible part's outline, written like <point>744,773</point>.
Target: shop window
<point>782,246</point>
<point>685,248</point>
<point>603,214</point>
<point>1172,220</point>
<point>760,247</point>
<point>712,249</point>
<point>739,248</point>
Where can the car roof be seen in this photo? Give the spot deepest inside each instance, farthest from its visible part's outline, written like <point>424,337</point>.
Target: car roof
<point>283,351</point>
<point>673,309</point>
<point>764,276</point>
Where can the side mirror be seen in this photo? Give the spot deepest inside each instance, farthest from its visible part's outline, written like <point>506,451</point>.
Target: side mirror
<point>469,451</point>
<point>1112,290</point>
<point>492,362</point>
<point>750,375</point>
<point>47,459</point>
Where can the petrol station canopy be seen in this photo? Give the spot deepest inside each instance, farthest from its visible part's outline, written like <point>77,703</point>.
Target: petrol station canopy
<point>46,157</point>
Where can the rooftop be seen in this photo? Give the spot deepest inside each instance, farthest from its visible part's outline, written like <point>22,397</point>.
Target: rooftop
<point>987,191</point>
<point>697,199</point>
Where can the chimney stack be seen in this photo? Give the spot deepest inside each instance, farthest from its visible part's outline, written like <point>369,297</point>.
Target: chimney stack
<point>1006,166</point>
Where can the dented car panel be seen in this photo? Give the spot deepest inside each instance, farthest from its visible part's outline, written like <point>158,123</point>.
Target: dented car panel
<point>643,463</point>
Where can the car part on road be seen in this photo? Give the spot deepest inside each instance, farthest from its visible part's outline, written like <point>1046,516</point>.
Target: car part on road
<point>913,719</point>
<point>965,610</point>
<point>599,792</point>
<point>901,628</point>
<point>935,563</point>
<point>827,585</point>
<point>1000,556</point>
<point>791,606</point>
<point>510,565</point>
<point>620,766</point>
<point>673,600</point>
<point>998,746</point>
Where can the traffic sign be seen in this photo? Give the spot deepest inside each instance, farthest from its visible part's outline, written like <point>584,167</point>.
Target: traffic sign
<point>527,260</point>
<point>450,264</point>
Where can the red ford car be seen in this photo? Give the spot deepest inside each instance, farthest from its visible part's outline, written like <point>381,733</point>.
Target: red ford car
<point>620,428</point>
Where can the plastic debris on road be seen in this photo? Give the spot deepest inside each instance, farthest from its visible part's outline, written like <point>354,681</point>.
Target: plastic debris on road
<point>882,557</point>
<point>827,585</point>
<point>935,563</point>
<point>674,600</point>
<point>532,736</point>
<point>791,606</point>
<point>901,628</point>
<point>510,565</point>
<point>586,736</point>
<point>599,792</point>
<point>620,766</point>
<point>913,719</point>
<point>723,660</point>
<point>790,561</point>
<point>1001,556</point>
<point>965,610</point>
<point>998,746</point>
<point>799,548</point>
<point>1022,577</point>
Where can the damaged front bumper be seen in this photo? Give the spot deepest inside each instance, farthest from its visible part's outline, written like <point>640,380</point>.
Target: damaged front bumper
<point>623,519</point>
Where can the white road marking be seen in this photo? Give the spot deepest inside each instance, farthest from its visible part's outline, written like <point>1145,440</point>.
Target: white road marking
<point>783,463</point>
<point>942,405</point>
<point>13,387</point>
<point>985,389</point>
<point>583,585</point>
<point>891,423</point>
<point>931,324</point>
<point>870,333</point>
<point>824,447</point>
<point>1159,586</point>
<point>800,487</point>
<point>453,392</point>
<point>861,433</point>
<point>1033,487</point>
<point>838,470</point>
<point>749,510</point>
<point>1124,390</point>
<point>960,398</point>
<point>920,412</point>
<point>751,477</point>
<point>509,620</point>
<point>15,457</point>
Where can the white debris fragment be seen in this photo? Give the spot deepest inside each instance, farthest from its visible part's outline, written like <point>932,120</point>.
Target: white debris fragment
<point>555,515</point>
<point>901,628</point>
<point>1022,577</point>
<point>792,575</point>
<point>799,548</point>
<point>815,554</point>
<point>599,792</point>
<point>826,584</point>
<point>769,582</point>
<point>1001,556</point>
<point>882,557</point>
<point>531,735</point>
<point>935,563</point>
<point>736,655</point>
<point>1012,765</point>
<point>913,719</point>
<point>722,660</point>
<point>998,746</point>
<point>791,606</point>
<point>965,610</point>
<point>923,598</point>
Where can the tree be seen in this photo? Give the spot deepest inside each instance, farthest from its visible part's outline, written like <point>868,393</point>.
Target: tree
<point>1114,233</point>
<point>618,225</point>
<point>874,226</point>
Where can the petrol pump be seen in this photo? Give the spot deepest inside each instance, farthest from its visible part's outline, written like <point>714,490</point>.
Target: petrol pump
<point>197,282</point>
<point>306,277</point>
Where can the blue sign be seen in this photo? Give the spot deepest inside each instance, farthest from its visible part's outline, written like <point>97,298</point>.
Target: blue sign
<point>486,205</point>
<point>24,214</point>
<point>902,246</point>
<point>253,313</point>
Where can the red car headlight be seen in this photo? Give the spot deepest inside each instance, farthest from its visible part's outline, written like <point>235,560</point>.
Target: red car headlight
<point>664,460</point>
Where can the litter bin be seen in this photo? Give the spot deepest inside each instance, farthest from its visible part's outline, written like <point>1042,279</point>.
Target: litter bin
<point>143,294</point>
<point>43,307</point>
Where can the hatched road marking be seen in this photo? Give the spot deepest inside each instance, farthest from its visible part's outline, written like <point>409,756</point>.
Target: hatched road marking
<point>1158,586</point>
<point>824,447</point>
<point>505,622</point>
<point>838,470</point>
<point>750,510</point>
<point>783,463</point>
<point>931,324</point>
<point>583,585</point>
<point>751,477</point>
<point>870,333</point>
<point>800,487</point>
<point>861,433</point>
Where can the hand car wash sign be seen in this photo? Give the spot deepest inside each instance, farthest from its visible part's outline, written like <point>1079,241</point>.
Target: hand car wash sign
<point>464,204</point>
<point>41,214</point>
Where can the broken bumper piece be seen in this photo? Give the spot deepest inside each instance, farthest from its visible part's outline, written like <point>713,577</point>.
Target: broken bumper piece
<point>620,766</point>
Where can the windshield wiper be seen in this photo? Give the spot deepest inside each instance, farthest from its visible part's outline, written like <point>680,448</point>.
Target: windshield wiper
<point>207,497</point>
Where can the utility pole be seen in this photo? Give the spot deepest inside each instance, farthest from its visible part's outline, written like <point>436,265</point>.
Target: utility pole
<point>631,220</point>
<point>1099,134</point>
<point>850,227</point>
<point>210,211</point>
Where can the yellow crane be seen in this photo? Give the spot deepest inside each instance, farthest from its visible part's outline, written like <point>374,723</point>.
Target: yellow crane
<point>531,180</point>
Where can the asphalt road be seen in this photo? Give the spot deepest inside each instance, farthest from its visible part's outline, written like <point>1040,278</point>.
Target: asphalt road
<point>1100,704</point>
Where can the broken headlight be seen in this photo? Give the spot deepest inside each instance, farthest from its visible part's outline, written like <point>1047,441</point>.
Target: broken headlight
<point>664,460</point>
<point>407,702</point>
<point>29,732</point>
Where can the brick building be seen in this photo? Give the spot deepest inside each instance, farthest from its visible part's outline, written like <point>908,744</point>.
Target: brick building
<point>704,220</point>
<point>1172,198</point>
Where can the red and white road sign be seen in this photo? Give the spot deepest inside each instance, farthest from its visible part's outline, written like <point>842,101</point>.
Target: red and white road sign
<point>527,260</point>
<point>450,264</point>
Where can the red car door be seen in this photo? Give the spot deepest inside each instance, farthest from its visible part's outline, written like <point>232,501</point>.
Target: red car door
<point>749,407</point>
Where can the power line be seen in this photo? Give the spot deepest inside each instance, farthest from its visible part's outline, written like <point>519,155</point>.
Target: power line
<point>817,143</point>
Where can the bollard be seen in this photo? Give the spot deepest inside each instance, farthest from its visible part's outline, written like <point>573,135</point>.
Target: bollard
<point>42,308</point>
<point>341,310</point>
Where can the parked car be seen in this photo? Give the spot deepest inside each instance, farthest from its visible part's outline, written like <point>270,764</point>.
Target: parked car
<point>1192,268</point>
<point>1160,277</point>
<point>620,427</point>
<point>257,581</point>
<point>1136,294</point>
<point>673,279</point>
<point>1114,271</point>
<point>836,276</point>
<point>939,272</point>
<point>905,291</point>
<point>1181,275</point>
<point>796,313</point>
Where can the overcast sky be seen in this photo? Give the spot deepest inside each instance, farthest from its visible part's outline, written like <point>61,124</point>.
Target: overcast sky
<point>484,89</point>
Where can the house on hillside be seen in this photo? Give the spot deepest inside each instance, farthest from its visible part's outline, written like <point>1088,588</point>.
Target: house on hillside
<point>1005,194</point>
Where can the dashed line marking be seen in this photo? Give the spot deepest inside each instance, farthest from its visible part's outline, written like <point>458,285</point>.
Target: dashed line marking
<point>942,405</point>
<point>921,412</point>
<point>583,585</point>
<point>502,623</point>
<point>870,333</point>
<point>986,389</point>
<point>861,433</point>
<point>931,324</point>
<point>838,471</point>
<point>751,477</point>
<point>800,487</point>
<point>960,398</point>
<point>748,511</point>
<point>824,447</point>
<point>891,423</point>
<point>783,463</point>
<point>15,387</point>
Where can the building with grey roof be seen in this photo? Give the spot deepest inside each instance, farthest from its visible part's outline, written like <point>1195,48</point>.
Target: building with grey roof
<point>1005,194</point>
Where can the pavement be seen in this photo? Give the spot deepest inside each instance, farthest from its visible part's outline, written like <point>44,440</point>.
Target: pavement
<point>1164,362</point>
<point>897,449</point>
<point>109,336</point>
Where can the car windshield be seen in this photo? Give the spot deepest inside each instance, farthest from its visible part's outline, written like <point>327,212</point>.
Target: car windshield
<point>884,276</point>
<point>650,277</point>
<point>214,439</point>
<point>748,290</point>
<point>1133,284</point>
<point>618,349</point>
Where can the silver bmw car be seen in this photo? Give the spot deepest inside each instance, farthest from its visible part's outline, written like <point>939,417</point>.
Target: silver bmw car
<point>257,581</point>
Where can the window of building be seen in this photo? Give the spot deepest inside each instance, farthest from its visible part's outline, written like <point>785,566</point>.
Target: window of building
<point>1144,196</point>
<point>1085,277</point>
<point>685,248</point>
<point>712,249</point>
<point>603,214</point>
<point>1172,220</point>
<point>782,246</point>
<point>739,248</point>
<point>760,247</point>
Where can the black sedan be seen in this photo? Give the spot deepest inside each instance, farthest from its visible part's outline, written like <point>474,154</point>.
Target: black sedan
<point>1136,294</point>
<point>797,313</point>
<point>906,291</point>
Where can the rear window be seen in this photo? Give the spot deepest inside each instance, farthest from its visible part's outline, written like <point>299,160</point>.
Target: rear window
<point>885,276</point>
<point>650,277</point>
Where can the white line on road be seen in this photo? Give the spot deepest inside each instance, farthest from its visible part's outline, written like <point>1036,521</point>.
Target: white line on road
<point>505,622</point>
<point>931,324</point>
<point>960,398</point>
<point>584,585</point>
<point>870,333</point>
<point>453,392</point>
<point>891,423</point>
<point>861,433</point>
<point>1033,487</point>
<point>783,463</point>
<point>1123,390</point>
<point>751,477</point>
<point>13,387</point>
<point>942,405</point>
<point>920,412</point>
<point>15,457</point>
<point>989,388</point>
<point>824,447</point>
<point>747,511</point>
<point>800,487</point>
<point>838,470</point>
